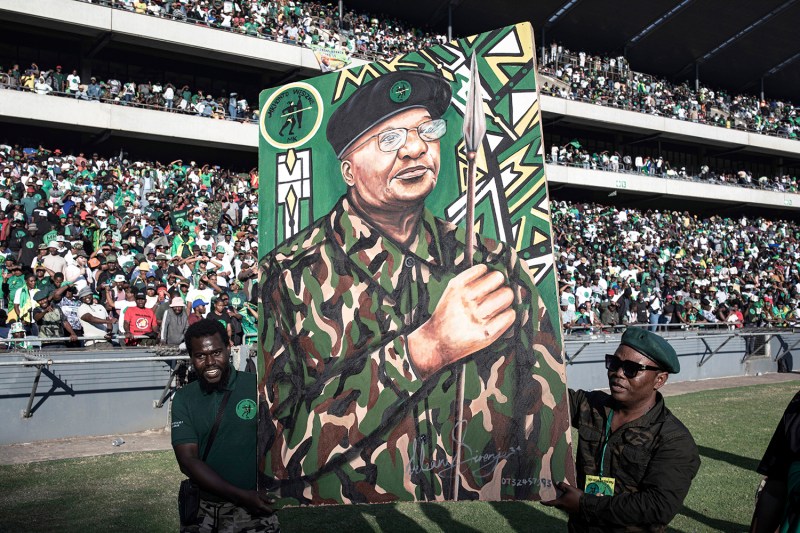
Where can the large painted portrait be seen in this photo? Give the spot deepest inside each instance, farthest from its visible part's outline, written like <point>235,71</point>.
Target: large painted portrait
<point>403,357</point>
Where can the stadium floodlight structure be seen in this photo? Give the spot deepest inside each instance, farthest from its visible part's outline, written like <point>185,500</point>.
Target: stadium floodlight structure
<point>730,40</point>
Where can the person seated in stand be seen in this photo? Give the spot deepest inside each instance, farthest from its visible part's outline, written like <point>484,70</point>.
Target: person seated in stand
<point>95,320</point>
<point>175,323</point>
<point>139,320</point>
<point>635,459</point>
<point>198,311</point>
<point>51,319</point>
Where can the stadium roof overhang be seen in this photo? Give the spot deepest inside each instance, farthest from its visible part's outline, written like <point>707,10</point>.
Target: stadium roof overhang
<point>731,44</point>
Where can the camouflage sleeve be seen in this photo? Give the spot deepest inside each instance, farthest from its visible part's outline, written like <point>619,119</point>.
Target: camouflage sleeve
<point>343,374</point>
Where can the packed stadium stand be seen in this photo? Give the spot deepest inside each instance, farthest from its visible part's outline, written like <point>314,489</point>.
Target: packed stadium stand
<point>646,127</point>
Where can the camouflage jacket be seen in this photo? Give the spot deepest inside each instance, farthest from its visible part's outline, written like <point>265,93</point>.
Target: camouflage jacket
<point>653,460</point>
<point>345,418</point>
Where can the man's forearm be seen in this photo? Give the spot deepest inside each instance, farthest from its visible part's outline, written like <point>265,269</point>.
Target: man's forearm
<point>208,480</point>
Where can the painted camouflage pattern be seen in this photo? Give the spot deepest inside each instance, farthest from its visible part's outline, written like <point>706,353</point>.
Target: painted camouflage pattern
<point>343,417</point>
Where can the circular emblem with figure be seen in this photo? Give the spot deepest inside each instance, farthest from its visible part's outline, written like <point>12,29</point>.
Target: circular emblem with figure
<point>142,322</point>
<point>246,409</point>
<point>400,91</point>
<point>291,115</point>
<point>599,488</point>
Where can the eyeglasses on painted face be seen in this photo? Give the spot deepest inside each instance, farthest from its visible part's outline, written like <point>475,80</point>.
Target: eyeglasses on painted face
<point>394,139</point>
<point>629,368</point>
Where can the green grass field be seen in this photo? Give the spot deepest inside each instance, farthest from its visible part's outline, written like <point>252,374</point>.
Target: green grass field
<point>137,491</point>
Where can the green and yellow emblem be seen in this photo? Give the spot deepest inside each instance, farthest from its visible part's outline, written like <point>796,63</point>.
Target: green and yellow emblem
<point>291,116</point>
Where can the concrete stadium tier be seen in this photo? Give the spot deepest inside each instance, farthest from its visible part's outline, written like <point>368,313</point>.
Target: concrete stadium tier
<point>583,113</point>
<point>114,24</point>
<point>125,121</point>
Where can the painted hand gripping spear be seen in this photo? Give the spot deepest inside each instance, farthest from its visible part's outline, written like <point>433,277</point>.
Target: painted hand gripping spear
<point>474,132</point>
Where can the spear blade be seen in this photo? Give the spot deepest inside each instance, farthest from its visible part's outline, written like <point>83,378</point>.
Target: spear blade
<point>474,117</point>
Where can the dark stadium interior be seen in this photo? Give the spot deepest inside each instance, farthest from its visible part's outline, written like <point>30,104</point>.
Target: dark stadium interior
<point>679,154</point>
<point>762,34</point>
<point>26,44</point>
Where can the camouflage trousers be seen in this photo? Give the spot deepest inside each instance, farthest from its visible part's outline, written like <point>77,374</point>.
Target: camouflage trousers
<point>226,517</point>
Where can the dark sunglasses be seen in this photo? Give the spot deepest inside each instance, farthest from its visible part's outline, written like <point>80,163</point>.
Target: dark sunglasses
<point>629,368</point>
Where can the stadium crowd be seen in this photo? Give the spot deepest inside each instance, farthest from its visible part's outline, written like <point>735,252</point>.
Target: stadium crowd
<point>293,22</point>
<point>576,76</point>
<point>672,269</point>
<point>108,250</point>
<point>609,81</point>
<point>234,107</point>
<point>573,154</point>
<point>166,96</point>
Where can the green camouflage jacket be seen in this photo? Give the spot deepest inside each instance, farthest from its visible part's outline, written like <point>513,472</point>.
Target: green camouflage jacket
<point>653,460</point>
<point>345,418</point>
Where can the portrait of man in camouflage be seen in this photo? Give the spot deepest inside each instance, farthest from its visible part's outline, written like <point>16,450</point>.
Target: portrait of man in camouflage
<point>371,313</point>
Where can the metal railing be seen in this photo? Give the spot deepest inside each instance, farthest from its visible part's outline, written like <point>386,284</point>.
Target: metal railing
<point>583,330</point>
<point>755,341</point>
<point>42,359</point>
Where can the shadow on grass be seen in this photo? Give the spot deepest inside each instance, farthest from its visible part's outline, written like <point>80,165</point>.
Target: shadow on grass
<point>442,516</point>
<point>345,518</point>
<point>349,518</point>
<point>525,517</point>
<point>715,524</point>
<point>746,463</point>
<point>389,518</point>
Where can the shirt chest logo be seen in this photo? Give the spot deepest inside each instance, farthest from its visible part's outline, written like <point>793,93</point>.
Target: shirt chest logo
<point>246,409</point>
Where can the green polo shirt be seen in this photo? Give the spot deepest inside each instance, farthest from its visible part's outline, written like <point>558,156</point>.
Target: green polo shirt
<point>233,453</point>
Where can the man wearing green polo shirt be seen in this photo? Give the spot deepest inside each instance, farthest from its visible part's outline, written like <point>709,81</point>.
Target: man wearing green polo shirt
<point>229,500</point>
<point>635,460</point>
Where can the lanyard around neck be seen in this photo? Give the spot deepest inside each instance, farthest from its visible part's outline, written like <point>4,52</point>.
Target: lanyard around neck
<point>605,440</point>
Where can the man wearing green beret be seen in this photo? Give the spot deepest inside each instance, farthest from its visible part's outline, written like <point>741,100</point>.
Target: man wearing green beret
<point>635,460</point>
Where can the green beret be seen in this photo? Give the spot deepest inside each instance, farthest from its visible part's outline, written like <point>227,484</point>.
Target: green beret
<point>41,294</point>
<point>653,347</point>
<point>383,98</point>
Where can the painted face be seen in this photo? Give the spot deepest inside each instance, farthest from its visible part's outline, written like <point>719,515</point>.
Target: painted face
<point>639,389</point>
<point>398,178</point>
<point>209,356</point>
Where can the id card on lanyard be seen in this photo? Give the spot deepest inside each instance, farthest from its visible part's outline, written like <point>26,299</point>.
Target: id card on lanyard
<point>600,485</point>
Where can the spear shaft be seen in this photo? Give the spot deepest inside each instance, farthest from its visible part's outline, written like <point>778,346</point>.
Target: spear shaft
<point>474,132</point>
